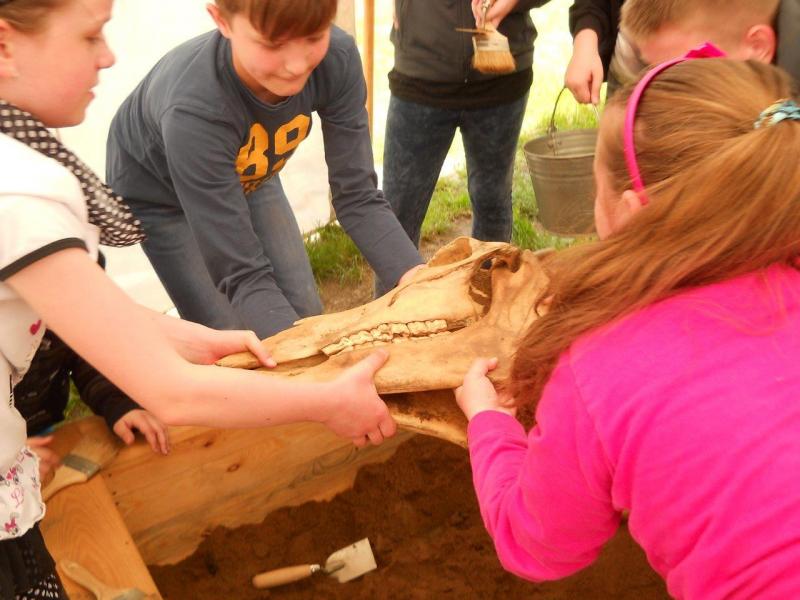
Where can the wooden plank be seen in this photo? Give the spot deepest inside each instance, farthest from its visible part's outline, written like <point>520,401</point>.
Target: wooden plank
<point>82,524</point>
<point>369,57</point>
<point>228,478</point>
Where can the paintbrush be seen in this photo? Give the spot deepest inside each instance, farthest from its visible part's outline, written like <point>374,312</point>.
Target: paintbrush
<point>88,456</point>
<point>492,54</point>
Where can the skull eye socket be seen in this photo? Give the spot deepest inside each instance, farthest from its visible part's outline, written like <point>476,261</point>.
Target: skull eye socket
<point>480,286</point>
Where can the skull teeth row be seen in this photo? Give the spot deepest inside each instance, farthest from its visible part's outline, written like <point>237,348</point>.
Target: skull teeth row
<point>387,333</point>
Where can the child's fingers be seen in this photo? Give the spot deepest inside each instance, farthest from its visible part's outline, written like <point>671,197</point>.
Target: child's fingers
<point>254,345</point>
<point>162,435</point>
<point>375,437</point>
<point>387,426</point>
<point>480,367</point>
<point>373,362</point>
<point>597,82</point>
<point>124,432</point>
<point>39,441</point>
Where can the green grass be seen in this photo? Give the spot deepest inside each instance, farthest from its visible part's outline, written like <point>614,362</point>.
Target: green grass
<point>334,256</point>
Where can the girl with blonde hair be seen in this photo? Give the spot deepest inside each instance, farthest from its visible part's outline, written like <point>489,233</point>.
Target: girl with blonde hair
<point>664,372</point>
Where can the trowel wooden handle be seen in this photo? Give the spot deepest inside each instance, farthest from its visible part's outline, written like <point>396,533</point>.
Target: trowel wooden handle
<point>65,476</point>
<point>276,577</point>
<point>80,575</point>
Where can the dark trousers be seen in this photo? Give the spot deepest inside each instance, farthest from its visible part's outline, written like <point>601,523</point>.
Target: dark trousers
<point>417,140</point>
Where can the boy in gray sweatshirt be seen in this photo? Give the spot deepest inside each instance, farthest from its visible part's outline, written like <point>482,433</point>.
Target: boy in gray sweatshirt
<point>197,147</point>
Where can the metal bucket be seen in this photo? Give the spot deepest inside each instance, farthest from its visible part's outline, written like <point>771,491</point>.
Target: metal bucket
<point>560,165</point>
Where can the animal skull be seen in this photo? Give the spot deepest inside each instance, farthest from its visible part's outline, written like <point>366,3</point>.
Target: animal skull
<point>452,312</point>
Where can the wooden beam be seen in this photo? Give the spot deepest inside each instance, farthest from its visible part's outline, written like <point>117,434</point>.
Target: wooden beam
<point>82,524</point>
<point>369,56</point>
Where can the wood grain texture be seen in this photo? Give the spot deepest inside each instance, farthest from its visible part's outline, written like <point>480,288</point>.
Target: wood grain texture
<point>82,524</point>
<point>228,478</point>
<point>161,507</point>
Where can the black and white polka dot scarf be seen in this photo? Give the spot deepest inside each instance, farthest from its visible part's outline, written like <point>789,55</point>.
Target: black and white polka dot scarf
<point>118,227</point>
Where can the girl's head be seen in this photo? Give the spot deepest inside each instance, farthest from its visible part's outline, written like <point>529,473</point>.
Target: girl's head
<point>276,44</point>
<point>51,52</point>
<point>723,200</point>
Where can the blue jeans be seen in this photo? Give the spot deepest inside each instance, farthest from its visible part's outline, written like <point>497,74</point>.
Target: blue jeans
<point>173,251</point>
<point>417,140</point>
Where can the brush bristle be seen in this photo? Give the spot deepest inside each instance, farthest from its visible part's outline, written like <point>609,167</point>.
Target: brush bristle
<point>494,62</point>
<point>95,449</point>
<point>492,54</point>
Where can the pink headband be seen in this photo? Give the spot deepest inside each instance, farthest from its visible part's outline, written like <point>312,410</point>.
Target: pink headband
<point>707,50</point>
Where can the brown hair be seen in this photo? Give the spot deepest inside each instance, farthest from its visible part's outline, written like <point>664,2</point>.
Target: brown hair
<point>282,18</point>
<point>724,201</point>
<point>28,15</point>
<point>641,18</point>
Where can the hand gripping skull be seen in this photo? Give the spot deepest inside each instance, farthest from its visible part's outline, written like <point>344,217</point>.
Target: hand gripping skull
<point>474,299</point>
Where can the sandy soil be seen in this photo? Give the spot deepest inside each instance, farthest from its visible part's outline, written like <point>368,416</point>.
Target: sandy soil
<point>420,514</point>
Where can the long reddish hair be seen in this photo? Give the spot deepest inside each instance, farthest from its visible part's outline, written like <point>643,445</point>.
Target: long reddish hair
<point>283,18</point>
<point>724,201</point>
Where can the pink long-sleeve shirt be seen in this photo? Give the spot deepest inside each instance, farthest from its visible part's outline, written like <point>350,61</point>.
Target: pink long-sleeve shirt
<point>686,414</point>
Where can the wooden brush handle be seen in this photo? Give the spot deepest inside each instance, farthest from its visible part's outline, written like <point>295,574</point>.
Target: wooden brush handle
<point>80,575</point>
<point>64,477</point>
<point>276,577</point>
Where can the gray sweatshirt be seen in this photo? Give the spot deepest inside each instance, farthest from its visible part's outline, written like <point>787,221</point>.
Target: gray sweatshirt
<point>192,136</point>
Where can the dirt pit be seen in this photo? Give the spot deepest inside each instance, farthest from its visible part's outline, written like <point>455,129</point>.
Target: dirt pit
<point>420,514</point>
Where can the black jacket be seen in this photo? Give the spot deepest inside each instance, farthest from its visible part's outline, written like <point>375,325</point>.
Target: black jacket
<point>428,47</point>
<point>43,393</point>
<point>601,16</point>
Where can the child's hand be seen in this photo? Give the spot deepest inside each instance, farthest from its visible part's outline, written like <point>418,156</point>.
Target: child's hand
<point>496,13</point>
<point>357,412</point>
<point>585,70</point>
<point>48,458</point>
<point>148,425</point>
<point>216,344</point>
<point>478,394</point>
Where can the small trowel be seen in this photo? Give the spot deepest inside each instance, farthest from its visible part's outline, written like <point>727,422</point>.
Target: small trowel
<point>345,564</point>
<point>97,587</point>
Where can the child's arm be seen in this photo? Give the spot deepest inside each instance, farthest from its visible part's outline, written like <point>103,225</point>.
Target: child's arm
<point>91,314</point>
<point>546,498</point>
<point>122,415</point>
<point>584,74</point>
<point>360,207</point>
<point>594,25</point>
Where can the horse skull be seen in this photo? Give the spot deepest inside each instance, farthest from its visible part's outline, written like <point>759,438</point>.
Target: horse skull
<point>473,299</point>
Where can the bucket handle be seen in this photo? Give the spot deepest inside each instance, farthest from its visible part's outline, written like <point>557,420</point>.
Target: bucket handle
<point>551,128</point>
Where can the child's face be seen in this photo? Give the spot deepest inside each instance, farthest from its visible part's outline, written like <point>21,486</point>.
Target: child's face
<point>277,68</point>
<point>612,208</point>
<point>605,199</point>
<point>676,39</point>
<point>57,67</point>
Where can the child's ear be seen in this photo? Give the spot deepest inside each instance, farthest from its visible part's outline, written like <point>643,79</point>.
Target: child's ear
<point>631,204</point>
<point>759,43</point>
<point>221,22</point>
<point>8,67</point>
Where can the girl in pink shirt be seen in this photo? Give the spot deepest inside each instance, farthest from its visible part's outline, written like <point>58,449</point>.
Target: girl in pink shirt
<point>666,370</point>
